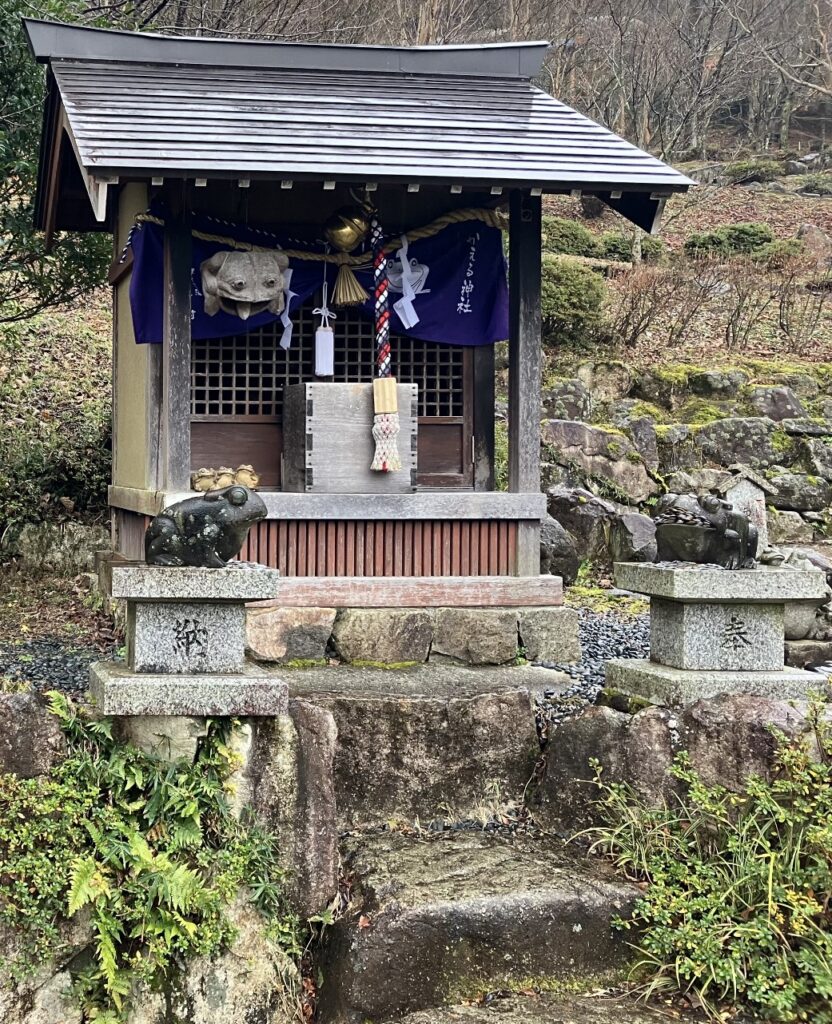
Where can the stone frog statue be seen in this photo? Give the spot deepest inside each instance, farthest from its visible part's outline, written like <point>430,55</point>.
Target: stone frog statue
<point>703,529</point>
<point>206,531</point>
<point>243,283</point>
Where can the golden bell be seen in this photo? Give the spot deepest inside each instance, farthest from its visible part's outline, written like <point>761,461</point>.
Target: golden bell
<point>347,227</point>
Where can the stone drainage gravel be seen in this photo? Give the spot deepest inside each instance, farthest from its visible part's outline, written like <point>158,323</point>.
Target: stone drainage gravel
<point>603,636</point>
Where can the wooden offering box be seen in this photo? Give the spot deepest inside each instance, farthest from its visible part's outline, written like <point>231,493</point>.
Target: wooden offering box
<point>328,442</point>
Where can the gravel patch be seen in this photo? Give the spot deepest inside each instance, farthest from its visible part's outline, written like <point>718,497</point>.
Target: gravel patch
<point>603,635</point>
<point>49,664</point>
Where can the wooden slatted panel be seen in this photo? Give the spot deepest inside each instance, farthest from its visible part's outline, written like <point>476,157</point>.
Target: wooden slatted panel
<point>375,548</point>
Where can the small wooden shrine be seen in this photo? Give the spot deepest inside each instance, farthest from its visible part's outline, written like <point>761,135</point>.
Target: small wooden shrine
<point>197,152</point>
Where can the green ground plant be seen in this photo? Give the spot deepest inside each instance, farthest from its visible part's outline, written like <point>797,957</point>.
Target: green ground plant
<point>780,253</point>
<point>618,245</point>
<point>820,183</point>
<point>149,849</point>
<point>737,913</point>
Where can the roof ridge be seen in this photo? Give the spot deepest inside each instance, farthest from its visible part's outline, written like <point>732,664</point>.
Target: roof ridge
<point>53,40</point>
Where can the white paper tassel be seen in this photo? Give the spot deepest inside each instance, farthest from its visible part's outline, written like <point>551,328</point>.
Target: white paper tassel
<point>324,352</point>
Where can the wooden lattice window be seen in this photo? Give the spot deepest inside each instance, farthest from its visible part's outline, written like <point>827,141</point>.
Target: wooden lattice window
<point>243,376</point>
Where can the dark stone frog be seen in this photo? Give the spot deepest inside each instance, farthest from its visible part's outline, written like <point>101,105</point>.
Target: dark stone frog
<point>703,529</point>
<point>206,531</point>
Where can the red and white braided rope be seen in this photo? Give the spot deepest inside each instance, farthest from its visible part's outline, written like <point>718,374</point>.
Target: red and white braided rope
<point>381,291</point>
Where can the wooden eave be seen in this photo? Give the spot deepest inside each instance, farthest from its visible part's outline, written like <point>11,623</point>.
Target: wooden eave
<point>141,107</point>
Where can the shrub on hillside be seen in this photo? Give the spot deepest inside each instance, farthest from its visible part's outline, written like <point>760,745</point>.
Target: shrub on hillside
<point>571,299</point>
<point>730,240</point>
<point>753,170</point>
<point>780,253</point>
<point>55,420</point>
<point>819,184</point>
<point>569,237</point>
<point>618,245</point>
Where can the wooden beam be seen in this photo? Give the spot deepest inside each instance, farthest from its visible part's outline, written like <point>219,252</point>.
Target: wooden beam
<point>175,439</point>
<point>464,505</point>
<point>524,343</point>
<point>483,403</point>
<point>416,592</point>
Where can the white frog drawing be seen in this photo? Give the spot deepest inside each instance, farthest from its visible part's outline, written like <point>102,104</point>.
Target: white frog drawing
<point>418,276</point>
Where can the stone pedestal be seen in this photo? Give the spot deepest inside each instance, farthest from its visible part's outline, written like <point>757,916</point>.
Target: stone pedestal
<point>715,631</point>
<point>186,639</point>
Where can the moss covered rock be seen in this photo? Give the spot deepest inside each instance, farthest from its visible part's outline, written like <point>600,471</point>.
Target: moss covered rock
<point>800,492</point>
<point>601,454</point>
<point>750,440</point>
<point>567,399</point>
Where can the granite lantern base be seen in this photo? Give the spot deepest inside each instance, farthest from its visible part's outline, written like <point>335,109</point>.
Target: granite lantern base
<point>714,631</point>
<point>186,633</point>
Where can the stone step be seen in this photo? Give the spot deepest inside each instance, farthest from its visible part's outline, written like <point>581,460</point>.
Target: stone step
<point>546,1008</point>
<point>414,742</point>
<point>438,920</point>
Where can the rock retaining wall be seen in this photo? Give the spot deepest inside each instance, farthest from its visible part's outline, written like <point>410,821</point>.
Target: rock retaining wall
<point>612,438</point>
<point>65,548</point>
<point>728,738</point>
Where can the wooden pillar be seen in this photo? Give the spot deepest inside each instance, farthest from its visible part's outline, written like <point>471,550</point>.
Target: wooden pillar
<point>524,365</point>
<point>175,426</point>
<point>483,415</point>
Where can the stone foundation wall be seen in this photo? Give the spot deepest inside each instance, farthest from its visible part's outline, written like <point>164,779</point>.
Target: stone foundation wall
<point>405,636</point>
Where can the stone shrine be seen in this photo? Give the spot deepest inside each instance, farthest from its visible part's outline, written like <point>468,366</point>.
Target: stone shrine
<point>186,638</point>
<point>714,631</point>
<point>749,493</point>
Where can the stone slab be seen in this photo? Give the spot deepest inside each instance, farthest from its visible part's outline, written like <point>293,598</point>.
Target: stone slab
<point>476,636</point>
<point>465,915</point>
<point>749,499</point>
<point>549,634</point>
<point>427,741</point>
<point>763,585</point>
<point>383,635</point>
<point>238,581</point>
<point>252,692</point>
<point>720,637</point>
<point>288,634</point>
<point>543,1008</point>
<point>435,681</point>
<point>186,637</point>
<point>678,687</point>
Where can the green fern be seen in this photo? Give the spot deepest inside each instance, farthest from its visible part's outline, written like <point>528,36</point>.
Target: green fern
<point>150,848</point>
<point>88,883</point>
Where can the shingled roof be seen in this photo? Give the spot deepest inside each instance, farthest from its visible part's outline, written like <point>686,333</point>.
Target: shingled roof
<point>139,105</point>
